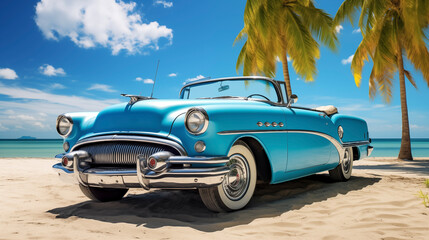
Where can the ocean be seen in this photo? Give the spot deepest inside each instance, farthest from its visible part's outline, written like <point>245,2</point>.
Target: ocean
<point>48,148</point>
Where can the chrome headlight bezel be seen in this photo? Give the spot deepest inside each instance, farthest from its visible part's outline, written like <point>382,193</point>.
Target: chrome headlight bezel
<point>340,132</point>
<point>193,112</point>
<point>68,120</point>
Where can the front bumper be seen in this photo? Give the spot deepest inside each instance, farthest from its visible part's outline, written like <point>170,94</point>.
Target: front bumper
<point>195,172</point>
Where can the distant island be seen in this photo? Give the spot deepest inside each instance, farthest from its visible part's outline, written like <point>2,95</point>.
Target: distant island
<point>27,137</point>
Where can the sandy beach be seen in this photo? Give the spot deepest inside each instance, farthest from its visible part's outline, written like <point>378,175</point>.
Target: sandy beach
<point>379,202</point>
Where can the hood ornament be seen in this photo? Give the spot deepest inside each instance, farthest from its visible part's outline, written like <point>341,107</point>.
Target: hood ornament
<point>135,98</point>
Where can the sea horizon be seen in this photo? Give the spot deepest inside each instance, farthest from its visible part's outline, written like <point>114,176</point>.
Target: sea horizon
<point>49,147</point>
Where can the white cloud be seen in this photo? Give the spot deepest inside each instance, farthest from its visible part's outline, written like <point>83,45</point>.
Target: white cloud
<point>3,128</point>
<point>9,112</point>
<point>348,60</point>
<point>31,94</point>
<point>145,81</point>
<point>338,28</point>
<point>40,125</point>
<point>195,78</point>
<point>108,23</point>
<point>164,3</point>
<point>57,86</point>
<point>7,73</point>
<point>356,31</point>
<point>418,127</point>
<point>172,75</point>
<point>33,112</point>
<point>101,87</point>
<point>22,117</point>
<point>50,71</point>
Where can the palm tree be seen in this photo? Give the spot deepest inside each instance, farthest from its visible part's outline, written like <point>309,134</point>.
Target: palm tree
<point>276,29</point>
<point>392,30</point>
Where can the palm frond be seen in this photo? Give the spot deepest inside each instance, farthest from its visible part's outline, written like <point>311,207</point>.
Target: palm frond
<point>241,35</point>
<point>348,10</point>
<point>240,59</point>
<point>319,23</point>
<point>305,48</point>
<point>410,78</point>
<point>372,86</point>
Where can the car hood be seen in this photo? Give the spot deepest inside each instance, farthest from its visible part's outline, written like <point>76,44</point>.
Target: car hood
<point>151,116</point>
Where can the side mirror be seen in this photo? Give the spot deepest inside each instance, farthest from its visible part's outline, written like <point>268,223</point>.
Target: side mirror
<point>293,99</point>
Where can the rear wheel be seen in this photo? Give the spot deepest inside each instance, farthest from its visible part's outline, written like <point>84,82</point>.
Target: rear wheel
<point>103,194</point>
<point>238,186</point>
<point>343,171</point>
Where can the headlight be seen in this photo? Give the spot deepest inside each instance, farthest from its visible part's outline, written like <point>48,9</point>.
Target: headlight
<point>64,125</point>
<point>196,121</point>
<point>340,132</point>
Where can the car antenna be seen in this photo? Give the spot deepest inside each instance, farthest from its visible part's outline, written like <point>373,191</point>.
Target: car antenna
<point>154,81</point>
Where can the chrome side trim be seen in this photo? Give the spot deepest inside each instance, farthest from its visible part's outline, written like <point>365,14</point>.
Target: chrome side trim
<point>250,131</point>
<point>340,149</point>
<point>335,142</point>
<point>133,138</point>
<point>354,144</point>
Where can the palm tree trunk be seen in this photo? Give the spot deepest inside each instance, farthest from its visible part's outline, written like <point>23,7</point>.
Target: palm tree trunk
<point>405,151</point>
<point>286,74</point>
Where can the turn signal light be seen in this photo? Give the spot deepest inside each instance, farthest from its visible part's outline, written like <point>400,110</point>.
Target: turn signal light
<point>66,162</point>
<point>152,163</point>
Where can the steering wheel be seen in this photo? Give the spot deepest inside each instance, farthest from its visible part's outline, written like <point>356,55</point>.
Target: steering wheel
<point>259,95</point>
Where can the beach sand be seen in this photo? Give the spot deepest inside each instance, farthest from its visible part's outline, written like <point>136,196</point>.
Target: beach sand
<point>379,202</point>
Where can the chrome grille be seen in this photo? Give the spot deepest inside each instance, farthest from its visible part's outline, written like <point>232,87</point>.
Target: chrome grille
<point>122,153</point>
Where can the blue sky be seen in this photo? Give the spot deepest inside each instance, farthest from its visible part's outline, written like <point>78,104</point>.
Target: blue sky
<point>61,56</point>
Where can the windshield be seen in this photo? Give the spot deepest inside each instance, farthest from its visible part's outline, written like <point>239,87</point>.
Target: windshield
<point>241,88</point>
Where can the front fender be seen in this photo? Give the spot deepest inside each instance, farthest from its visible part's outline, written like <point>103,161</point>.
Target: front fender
<point>82,122</point>
<point>216,145</point>
<point>221,119</point>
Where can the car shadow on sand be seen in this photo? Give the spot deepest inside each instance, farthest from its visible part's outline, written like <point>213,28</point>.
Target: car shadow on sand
<point>157,209</point>
<point>419,167</point>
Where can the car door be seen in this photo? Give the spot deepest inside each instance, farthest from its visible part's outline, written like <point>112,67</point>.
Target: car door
<point>307,146</point>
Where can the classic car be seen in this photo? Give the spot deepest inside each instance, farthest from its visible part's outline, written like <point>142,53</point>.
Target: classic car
<point>221,137</point>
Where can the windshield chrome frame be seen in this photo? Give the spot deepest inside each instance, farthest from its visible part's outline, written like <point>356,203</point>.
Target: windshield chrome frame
<point>274,82</point>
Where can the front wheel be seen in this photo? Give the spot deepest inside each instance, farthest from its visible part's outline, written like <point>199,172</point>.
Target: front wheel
<point>239,183</point>
<point>343,171</point>
<point>103,194</point>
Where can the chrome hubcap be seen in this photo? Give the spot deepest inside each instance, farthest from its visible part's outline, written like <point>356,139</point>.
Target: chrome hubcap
<point>347,161</point>
<point>237,179</point>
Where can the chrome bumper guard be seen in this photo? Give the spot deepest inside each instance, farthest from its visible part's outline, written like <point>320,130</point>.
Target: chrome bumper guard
<point>209,171</point>
<point>369,149</point>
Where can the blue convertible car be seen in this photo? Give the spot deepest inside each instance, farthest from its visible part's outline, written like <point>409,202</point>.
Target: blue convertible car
<point>221,137</point>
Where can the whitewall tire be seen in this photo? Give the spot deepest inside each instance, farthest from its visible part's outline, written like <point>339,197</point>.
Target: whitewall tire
<point>343,171</point>
<point>238,186</point>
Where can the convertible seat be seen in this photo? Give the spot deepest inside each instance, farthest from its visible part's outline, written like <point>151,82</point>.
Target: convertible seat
<point>329,110</point>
